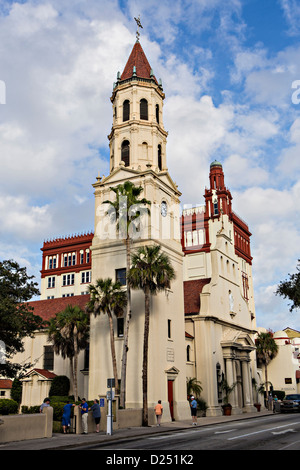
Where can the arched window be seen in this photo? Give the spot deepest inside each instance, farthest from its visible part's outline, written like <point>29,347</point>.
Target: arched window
<point>159,157</point>
<point>126,110</point>
<point>125,152</point>
<point>157,113</point>
<point>144,109</point>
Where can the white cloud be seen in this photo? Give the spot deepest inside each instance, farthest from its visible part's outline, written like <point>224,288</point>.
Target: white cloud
<point>21,219</point>
<point>59,60</point>
<point>291,10</point>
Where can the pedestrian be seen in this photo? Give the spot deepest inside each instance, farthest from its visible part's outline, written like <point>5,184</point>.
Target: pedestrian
<point>95,408</point>
<point>66,417</point>
<point>270,402</point>
<point>158,412</point>
<point>193,406</point>
<point>275,400</point>
<point>45,403</point>
<point>84,415</point>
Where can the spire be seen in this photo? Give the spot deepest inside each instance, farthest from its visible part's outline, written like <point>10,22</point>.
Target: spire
<point>138,64</point>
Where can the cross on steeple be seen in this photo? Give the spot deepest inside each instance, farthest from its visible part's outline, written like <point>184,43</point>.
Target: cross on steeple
<point>139,25</point>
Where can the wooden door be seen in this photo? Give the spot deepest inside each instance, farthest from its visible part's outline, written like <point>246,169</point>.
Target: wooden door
<point>170,398</point>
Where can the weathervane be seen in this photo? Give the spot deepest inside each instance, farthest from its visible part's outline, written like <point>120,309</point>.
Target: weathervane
<point>139,25</point>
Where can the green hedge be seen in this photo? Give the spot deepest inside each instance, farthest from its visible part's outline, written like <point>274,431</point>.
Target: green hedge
<point>8,406</point>
<point>29,410</point>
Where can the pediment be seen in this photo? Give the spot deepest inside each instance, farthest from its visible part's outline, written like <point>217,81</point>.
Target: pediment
<point>173,370</point>
<point>122,173</point>
<point>237,338</point>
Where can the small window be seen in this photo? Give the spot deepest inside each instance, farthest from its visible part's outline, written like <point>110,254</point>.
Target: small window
<point>120,327</point>
<point>159,164</point>
<point>121,276</point>
<point>125,153</point>
<point>126,110</point>
<point>157,113</point>
<point>169,329</point>
<point>216,210</point>
<point>144,109</point>
<point>51,282</point>
<point>48,357</point>
<point>85,277</point>
<point>188,353</point>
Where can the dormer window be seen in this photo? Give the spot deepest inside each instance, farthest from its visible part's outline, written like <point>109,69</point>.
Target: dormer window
<point>144,109</point>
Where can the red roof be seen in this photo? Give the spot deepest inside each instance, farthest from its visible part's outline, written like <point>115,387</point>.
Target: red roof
<point>5,383</point>
<point>47,309</point>
<point>139,60</point>
<point>44,372</point>
<point>192,290</point>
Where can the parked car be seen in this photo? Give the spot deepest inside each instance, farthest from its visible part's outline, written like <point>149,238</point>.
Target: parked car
<point>290,403</point>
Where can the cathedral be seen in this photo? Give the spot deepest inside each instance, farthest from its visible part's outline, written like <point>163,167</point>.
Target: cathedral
<point>203,326</point>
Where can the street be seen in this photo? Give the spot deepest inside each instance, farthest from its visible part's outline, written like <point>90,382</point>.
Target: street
<point>274,432</point>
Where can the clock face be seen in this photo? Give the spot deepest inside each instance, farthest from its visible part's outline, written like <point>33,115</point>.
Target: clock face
<point>164,209</point>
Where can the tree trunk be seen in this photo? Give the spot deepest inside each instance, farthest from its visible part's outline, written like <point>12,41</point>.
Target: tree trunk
<point>75,364</point>
<point>266,381</point>
<point>126,331</point>
<point>72,391</point>
<point>145,358</point>
<point>113,353</point>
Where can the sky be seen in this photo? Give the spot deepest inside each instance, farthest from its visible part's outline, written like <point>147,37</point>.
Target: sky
<point>231,75</point>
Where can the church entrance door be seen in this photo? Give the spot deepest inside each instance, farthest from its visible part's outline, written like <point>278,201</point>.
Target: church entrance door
<point>170,398</point>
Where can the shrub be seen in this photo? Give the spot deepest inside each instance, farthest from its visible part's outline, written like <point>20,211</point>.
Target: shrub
<point>28,410</point>
<point>8,406</point>
<point>16,391</point>
<point>60,386</point>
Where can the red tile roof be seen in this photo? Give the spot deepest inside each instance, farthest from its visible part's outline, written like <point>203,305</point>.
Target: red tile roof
<point>192,290</point>
<point>5,383</point>
<point>47,309</point>
<point>139,60</point>
<point>44,372</point>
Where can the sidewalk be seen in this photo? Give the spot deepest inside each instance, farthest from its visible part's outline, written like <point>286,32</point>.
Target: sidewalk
<point>69,441</point>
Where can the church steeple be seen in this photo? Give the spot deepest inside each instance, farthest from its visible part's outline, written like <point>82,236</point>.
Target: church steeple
<point>138,65</point>
<point>138,138</point>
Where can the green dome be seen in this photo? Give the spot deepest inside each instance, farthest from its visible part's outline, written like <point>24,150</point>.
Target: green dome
<point>215,163</point>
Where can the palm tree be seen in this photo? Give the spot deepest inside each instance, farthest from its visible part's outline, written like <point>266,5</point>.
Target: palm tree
<point>69,333</point>
<point>108,297</point>
<point>266,350</point>
<point>152,272</point>
<point>193,386</point>
<point>126,201</point>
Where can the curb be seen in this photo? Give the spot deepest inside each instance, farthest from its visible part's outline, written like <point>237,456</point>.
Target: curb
<point>162,430</point>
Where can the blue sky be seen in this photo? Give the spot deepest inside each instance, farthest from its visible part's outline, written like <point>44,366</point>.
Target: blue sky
<point>227,70</point>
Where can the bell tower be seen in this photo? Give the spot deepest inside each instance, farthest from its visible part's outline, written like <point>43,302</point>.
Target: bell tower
<point>137,137</point>
<point>137,143</point>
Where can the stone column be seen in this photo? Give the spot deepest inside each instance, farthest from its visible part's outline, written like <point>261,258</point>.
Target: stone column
<point>248,405</point>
